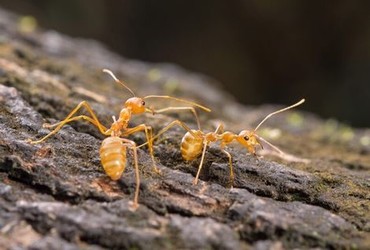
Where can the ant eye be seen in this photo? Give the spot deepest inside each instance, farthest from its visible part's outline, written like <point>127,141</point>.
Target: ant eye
<point>143,103</point>
<point>246,138</point>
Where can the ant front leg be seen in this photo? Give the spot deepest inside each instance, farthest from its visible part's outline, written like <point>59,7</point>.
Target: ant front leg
<point>94,120</point>
<point>192,109</point>
<point>165,129</point>
<point>230,166</point>
<point>219,129</point>
<point>149,135</point>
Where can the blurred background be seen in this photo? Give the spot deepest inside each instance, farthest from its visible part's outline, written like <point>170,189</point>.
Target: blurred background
<point>262,51</point>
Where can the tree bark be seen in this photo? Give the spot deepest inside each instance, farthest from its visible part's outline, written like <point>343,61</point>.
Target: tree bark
<point>55,195</point>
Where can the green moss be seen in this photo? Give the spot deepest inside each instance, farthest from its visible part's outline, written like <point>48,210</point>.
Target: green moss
<point>336,132</point>
<point>295,119</point>
<point>320,187</point>
<point>365,141</point>
<point>171,87</point>
<point>154,75</point>
<point>330,179</point>
<point>270,133</point>
<point>27,24</point>
<point>350,199</point>
<point>346,133</point>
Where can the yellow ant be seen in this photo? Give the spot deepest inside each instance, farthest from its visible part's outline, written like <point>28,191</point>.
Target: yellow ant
<point>195,142</point>
<point>113,148</point>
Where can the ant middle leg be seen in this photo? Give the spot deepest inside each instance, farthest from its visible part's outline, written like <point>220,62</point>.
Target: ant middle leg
<point>149,135</point>
<point>195,181</point>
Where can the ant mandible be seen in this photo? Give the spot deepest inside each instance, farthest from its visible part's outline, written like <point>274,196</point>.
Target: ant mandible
<point>113,148</point>
<point>195,142</point>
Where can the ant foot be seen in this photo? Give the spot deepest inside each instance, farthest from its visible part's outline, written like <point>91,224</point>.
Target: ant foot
<point>230,185</point>
<point>30,141</point>
<point>47,125</point>
<point>152,110</point>
<point>133,206</point>
<point>156,170</point>
<point>195,182</point>
<point>257,157</point>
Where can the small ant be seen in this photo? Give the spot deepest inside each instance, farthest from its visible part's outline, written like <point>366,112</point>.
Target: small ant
<point>113,148</point>
<point>195,142</point>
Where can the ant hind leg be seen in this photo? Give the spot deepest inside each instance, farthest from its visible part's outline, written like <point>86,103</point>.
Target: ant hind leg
<point>133,146</point>
<point>94,120</point>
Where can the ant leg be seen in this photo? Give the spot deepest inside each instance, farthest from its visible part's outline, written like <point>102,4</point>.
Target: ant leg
<point>96,122</point>
<point>84,117</point>
<point>170,125</point>
<point>284,156</point>
<point>231,167</point>
<point>195,182</point>
<point>192,109</point>
<point>219,129</point>
<point>59,125</point>
<point>132,145</point>
<point>259,138</point>
<point>149,135</point>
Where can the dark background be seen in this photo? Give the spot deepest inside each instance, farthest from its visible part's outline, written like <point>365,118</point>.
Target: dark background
<point>263,51</point>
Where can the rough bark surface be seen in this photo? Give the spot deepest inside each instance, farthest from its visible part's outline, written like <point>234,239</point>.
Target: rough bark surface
<point>55,195</point>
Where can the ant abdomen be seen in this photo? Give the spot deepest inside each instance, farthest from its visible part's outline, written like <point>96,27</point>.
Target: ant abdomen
<point>192,145</point>
<point>113,157</point>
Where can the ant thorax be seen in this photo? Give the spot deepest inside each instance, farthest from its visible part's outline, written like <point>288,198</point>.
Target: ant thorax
<point>211,137</point>
<point>227,137</point>
<point>125,115</point>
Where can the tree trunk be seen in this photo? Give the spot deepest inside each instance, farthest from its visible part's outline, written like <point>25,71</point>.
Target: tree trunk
<point>55,195</point>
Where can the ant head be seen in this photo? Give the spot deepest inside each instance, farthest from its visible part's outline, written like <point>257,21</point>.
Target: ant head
<point>136,104</point>
<point>249,140</point>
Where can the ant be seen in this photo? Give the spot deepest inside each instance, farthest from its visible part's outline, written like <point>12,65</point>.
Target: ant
<point>195,142</point>
<point>113,148</point>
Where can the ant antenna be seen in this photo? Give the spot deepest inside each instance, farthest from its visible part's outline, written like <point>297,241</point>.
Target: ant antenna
<point>279,111</point>
<point>178,99</point>
<point>118,81</point>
